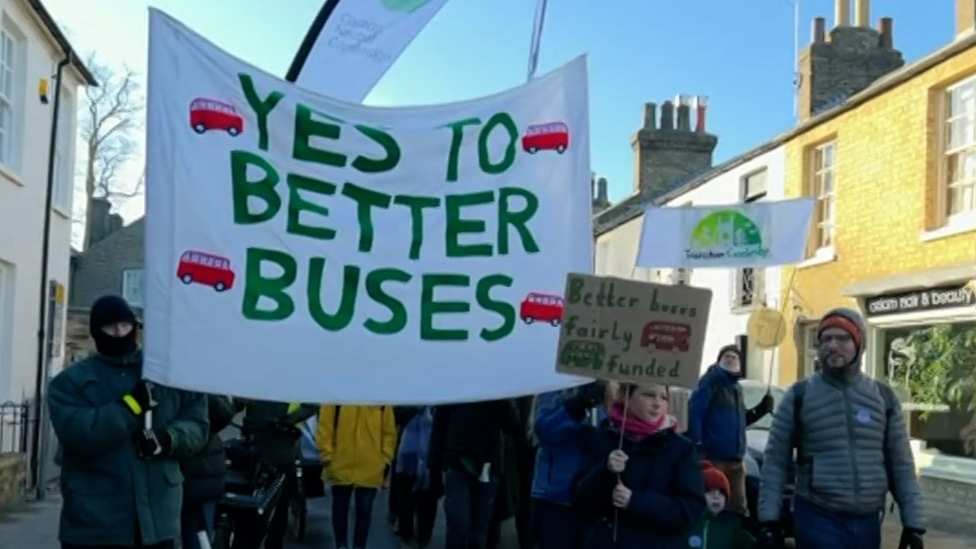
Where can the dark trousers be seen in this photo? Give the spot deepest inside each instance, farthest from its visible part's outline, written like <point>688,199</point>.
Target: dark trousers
<point>342,497</point>
<point>417,511</point>
<point>195,518</point>
<point>560,527</point>
<point>468,506</point>
<point>278,526</point>
<point>818,528</point>
<point>163,545</point>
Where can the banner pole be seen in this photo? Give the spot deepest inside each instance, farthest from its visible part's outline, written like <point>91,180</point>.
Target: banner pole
<point>782,326</point>
<point>534,45</point>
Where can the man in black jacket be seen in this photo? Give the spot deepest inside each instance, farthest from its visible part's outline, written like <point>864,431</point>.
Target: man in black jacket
<point>466,444</point>
<point>203,484</point>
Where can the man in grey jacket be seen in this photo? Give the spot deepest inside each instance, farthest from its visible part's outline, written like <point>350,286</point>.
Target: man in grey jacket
<point>852,448</point>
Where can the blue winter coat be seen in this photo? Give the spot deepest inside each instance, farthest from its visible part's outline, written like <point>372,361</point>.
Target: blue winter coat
<point>560,457</point>
<point>717,415</point>
<point>668,491</point>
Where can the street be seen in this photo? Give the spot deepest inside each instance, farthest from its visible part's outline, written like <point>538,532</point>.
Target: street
<point>35,527</point>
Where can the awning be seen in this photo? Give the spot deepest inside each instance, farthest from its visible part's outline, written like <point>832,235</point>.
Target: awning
<point>927,278</point>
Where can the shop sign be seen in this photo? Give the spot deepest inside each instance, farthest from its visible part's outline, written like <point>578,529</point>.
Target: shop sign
<point>942,297</point>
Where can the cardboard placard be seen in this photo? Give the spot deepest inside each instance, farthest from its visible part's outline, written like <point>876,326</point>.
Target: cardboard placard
<point>632,332</point>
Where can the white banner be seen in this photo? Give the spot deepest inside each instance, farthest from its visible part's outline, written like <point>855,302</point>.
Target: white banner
<point>301,248</point>
<point>352,43</point>
<point>759,234</point>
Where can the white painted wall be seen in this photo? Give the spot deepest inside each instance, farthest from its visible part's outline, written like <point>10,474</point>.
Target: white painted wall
<point>23,181</point>
<point>616,252</point>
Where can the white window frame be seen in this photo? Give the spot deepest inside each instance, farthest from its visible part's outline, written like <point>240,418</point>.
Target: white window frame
<point>826,206</point>
<point>681,276</point>
<point>130,277</point>
<point>12,68</point>
<point>810,346</point>
<point>64,184</point>
<point>967,117</point>
<point>742,298</point>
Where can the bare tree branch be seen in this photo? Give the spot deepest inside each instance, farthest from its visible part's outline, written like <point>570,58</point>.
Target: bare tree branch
<point>112,112</point>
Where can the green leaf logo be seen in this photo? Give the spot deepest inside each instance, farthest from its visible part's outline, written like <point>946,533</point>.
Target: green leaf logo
<point>405,6</point>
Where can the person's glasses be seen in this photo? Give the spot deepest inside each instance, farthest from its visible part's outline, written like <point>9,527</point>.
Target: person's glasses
<point>835,338</point>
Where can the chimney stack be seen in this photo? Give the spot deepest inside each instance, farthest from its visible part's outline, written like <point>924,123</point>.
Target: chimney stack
<point>965,17</point>
<point>669,153</point>
<point>862,13</point>
<point>842,13</point>
<point>834,69</point>
<point>599,193</point>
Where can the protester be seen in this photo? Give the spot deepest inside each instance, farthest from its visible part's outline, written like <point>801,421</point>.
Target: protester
<point>357,444</point>
<point>646,488</point>
<point>852,447</point>
<point>204,476</point>
<point>273,429</point>
<point>507,498</point>
<point>466,445</point>
<point>560,420</point>
<point>525,524</point>
<point>120,478</point>
<point>720,528</point>
<point>418,491</point>
<point>718,421</point>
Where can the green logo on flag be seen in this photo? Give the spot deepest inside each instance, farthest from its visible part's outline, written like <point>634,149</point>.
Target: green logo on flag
<point>724,234</point>
<point>406,6</point>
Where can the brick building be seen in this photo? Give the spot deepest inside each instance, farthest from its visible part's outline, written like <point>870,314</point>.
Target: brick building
<point>893,166</point>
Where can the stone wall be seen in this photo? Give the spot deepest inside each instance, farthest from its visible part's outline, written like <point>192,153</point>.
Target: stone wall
<point>950,505</point>
<point>13,480</point>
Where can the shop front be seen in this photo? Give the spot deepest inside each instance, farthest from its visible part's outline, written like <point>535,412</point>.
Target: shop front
<point>922,341</point>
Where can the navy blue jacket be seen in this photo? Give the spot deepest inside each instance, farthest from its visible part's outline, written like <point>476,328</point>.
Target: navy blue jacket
<point>561,456</point>
<point>667,499</point>
<point>717,416</point>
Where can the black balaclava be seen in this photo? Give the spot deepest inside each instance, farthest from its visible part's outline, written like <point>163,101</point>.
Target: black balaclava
<point>106,310</point>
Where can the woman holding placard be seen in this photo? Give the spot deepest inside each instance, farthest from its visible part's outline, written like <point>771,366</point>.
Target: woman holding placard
<point>647,487</point>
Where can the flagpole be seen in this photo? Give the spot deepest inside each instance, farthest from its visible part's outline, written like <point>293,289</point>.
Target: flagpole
<point>536,41</point>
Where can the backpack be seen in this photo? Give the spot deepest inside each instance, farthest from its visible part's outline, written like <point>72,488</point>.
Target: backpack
<point>800,390</point>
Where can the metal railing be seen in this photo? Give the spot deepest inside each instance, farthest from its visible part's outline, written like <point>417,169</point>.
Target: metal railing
<point>15,421</point>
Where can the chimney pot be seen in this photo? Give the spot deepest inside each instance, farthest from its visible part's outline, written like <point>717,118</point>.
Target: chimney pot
<point>701,103</point>
<point>886,28</point>
<point>650,116</point>
<point>667,115</point>
<point>684,114</point>
<point>862,13</point>
<point>819,32</point>
<point>601,190</point>
<point>965,17</point>
<point>842,13</point>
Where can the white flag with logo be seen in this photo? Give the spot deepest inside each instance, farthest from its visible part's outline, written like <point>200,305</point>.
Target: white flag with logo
<point>352,43</point>
<point>760,234</point>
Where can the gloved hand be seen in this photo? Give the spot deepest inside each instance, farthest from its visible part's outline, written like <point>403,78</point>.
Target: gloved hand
<point>140,399</point>
<point>766,404</point>
<point>152,442</point>
<point>770,536</point>
<point>586,397</point>
<point>911,538</point>
<point>286,428</point>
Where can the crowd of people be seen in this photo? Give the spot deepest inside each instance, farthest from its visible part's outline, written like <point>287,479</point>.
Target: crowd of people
<point>594,467</point>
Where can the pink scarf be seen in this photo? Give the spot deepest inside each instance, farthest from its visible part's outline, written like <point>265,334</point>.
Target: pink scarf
<point>636,428</point>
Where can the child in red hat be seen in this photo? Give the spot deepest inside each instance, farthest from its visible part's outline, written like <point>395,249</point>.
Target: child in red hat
<point>720,528</point>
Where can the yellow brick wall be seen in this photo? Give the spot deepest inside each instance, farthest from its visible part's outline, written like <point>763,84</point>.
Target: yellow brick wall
<point>887,165</point>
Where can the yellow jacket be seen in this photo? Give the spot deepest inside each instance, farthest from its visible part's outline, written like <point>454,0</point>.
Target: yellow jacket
<point>356,447</point>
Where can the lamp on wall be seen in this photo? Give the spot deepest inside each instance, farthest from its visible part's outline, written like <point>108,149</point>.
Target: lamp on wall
<point>42,85</point>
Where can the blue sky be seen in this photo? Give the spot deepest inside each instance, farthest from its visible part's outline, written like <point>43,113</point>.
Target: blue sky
<point>739,53</point>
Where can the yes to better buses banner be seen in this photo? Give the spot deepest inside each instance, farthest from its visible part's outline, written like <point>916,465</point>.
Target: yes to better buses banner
<point>305,249</point>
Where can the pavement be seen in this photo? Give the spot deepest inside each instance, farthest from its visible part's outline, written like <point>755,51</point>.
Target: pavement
<point>34,526</point>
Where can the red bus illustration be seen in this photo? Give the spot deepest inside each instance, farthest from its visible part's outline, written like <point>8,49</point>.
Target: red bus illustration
<point>542,308</point>
<point>552,136</point>
<point>666,336</point>
<point>210,114</point>
<point>207,269</point>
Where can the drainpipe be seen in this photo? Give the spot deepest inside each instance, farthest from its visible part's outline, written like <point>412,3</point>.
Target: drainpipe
<point>37,464</point>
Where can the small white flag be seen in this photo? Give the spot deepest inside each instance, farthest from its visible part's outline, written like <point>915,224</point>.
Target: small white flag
<point>760,234</point>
